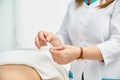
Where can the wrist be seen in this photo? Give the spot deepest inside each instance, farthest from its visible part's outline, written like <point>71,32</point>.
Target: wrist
<point>80,53</point>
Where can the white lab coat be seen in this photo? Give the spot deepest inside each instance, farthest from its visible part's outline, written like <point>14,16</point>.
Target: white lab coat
<point>87,26</point>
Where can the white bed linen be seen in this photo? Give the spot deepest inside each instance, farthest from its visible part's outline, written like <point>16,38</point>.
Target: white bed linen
<point>40,60</point>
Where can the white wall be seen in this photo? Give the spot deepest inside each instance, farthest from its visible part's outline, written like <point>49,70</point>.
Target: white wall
<point>35,15</point>
<point>20,20</point>
<point>7,25</point>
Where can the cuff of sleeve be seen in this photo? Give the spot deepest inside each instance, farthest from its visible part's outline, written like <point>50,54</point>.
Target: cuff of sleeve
<point>108,49</point>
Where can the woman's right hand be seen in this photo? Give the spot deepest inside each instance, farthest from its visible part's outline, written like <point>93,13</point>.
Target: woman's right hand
<point>43,37</point>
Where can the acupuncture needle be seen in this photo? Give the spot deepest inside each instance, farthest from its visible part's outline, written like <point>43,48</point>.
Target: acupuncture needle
<point>48,44</point>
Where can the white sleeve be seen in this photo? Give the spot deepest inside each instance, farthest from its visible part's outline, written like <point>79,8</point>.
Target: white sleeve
<point>111,48</point>
<point>63,31</point>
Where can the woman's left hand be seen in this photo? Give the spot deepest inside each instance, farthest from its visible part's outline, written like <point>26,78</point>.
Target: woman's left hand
<point>65,54</point>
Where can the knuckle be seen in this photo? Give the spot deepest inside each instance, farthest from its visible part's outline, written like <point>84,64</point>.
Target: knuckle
<point>39,32</point>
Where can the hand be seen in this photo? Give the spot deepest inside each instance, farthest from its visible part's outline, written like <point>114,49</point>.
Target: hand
<point>43,37</point>
<point>65,54</point>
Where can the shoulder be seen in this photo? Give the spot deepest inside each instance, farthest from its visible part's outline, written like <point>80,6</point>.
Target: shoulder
<point>117,4</point>
<point>117,1</point>
<point>72,6</point>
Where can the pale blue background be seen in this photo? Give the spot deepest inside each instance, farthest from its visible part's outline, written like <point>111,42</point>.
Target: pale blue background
<point>7,24</point>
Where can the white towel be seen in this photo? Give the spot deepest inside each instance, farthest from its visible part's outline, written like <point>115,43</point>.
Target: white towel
<point>40,60</point>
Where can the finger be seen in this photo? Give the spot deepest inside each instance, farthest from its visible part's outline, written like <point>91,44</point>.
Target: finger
<point>37,42</point>
<point>58,59</point>
<point>49,37</point>
<point>57,56</point>
<point>58,48</point>
<point>56,52</point>
<point>46,34</point>
<point>43,43</point>
<point>42,38</point>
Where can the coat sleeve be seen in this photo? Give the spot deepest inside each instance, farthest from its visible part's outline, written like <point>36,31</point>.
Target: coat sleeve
<point>110,49</point>
<point>63,31</point>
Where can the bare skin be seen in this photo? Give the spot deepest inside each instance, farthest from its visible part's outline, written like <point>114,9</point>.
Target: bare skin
<point>18,72</point>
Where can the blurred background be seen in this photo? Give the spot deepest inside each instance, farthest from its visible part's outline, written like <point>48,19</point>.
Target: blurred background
<point>20,20</point>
